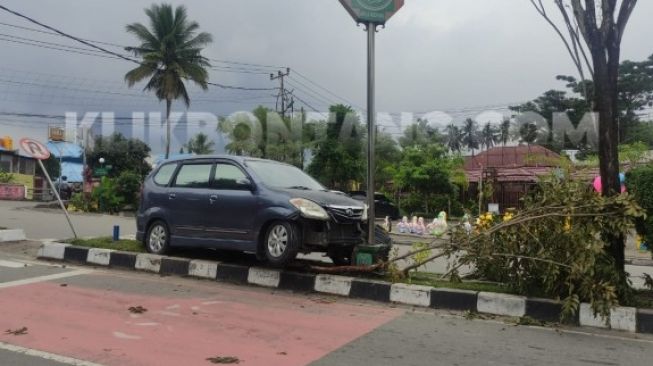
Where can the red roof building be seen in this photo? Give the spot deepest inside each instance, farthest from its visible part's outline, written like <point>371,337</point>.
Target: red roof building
<point>511,171</point>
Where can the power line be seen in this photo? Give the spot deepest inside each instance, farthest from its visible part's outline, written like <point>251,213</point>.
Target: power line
<point>328,91</point>
<point>92,45</point>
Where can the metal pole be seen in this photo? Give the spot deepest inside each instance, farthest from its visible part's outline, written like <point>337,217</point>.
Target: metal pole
<point>47,176</point>
<point>371,131</point>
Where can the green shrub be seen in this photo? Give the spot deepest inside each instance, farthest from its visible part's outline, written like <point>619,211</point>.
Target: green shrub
<point>108,197</point>
<point>553,248</point>
<point>6,177</point>
<point>83,202</point>
<point>128,185</point>
<point>640,184</point>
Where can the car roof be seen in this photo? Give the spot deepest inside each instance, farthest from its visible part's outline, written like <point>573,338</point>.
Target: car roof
<point>236,158</point>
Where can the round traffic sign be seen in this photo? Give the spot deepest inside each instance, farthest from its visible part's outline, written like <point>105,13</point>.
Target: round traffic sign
<point>35,149</point>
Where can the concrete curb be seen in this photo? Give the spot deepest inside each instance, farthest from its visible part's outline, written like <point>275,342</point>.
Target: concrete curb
<point>621,318</point>
<point>12,235</point>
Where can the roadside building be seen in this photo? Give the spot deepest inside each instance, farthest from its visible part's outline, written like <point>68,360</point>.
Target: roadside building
<point>22,169</point>
<point>506,174</point>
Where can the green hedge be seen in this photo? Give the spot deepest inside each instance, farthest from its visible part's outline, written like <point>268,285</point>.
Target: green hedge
<point>640,184</point>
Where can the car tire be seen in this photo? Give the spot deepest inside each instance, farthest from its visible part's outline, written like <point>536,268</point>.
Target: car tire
<point>342,256</point>
<point>281,243</point>
<point>157,240</point>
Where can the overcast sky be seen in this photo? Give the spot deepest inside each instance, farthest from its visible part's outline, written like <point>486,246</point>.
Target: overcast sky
<point>433,55</point>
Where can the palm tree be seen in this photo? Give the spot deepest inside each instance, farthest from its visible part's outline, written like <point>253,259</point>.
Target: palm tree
<point>470,135</point>
<point>454,138</point>
<point>170,53</point>
<point>200,145</point>
<point>504,132</point>
<point>489,136</point>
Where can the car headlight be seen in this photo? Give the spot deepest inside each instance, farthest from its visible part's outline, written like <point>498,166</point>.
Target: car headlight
<point>364,217</point>
<point>309,209</point>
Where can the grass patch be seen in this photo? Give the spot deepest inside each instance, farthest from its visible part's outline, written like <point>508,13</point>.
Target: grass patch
<point>433,279</point>
<point>108,243</point>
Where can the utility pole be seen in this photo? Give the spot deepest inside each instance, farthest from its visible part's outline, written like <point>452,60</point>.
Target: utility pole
<point>286,103</point>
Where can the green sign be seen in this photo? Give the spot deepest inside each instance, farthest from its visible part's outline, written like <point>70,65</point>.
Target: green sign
<point>372,11</point>
<point>100,172</point>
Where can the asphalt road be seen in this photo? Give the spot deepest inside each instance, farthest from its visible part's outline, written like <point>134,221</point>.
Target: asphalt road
<point>42,224</point>
<point>81,316</point>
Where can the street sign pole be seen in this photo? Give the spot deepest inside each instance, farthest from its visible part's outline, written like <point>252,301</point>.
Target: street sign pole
<point>39,152</point>
<point>371,13</point>
<point>371,131</point>
<point>56,194</point>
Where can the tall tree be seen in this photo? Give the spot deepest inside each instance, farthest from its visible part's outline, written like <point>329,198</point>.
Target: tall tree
<point>489,136</point>
<point>504,132</point>
<point>470,135</point>
<point>454,138</point>
<point>601,24</point>
<point>418,134</point>
<point>121,153</point>
<point>338,157</point>
<point>200,145</point>
<point>171,54</point>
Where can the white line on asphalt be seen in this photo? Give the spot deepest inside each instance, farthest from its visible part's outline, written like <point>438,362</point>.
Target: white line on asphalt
<point>11,264</point>
<point>46,355</point>
<point>29,281</point>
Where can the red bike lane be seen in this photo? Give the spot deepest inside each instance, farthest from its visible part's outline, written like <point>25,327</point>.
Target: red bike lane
<point>257,326</point>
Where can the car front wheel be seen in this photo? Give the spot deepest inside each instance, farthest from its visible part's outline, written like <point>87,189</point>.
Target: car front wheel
<point>281,243</point>
<point>157,240</point>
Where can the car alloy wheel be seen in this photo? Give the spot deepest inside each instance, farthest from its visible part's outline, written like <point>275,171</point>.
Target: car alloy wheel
<point>277,240</point>
<point>157,239</point>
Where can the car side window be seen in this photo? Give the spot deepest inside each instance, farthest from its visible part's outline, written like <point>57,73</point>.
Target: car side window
<point>229,177</point>
<point>194,176</point>
<point>164,174</point>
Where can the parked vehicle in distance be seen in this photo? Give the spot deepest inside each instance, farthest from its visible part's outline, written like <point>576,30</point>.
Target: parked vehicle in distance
<point>238,203</point>
<point>382,205</point>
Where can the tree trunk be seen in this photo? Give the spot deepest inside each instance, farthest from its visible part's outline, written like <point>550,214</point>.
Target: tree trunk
<point>606,68</point>
<point>168,107</point>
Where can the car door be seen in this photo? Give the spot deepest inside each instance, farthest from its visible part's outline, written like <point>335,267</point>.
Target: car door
<point>189,197</point>
<point>233,204</point>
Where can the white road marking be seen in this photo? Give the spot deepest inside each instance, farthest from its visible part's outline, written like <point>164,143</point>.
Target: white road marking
<point>12,264</point>
<point>29,281</point>
<point>153,324</point>
<point>212,302</point>
<point>46,355</point>
<point>121,335</point>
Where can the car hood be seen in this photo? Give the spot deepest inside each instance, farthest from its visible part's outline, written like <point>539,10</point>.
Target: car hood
<point>325,198</point>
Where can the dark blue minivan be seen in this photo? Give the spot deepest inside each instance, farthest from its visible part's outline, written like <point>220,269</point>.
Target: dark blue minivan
<point>238,203</point>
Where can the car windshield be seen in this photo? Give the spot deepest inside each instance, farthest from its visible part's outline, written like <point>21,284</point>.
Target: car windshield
<point>283,176</point>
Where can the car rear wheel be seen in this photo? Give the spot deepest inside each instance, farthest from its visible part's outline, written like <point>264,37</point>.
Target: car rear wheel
<point>281,243</point>
<point>157,240</point>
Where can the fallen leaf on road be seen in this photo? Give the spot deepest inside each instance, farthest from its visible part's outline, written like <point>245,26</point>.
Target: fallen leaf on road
<point>282,353</point>
<point>64,285</point>
<point>224,360</point>
<point>17,332</point>
<point>137,310</point>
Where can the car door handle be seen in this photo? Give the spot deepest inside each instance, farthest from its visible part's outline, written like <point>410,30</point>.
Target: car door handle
<point>213,198</point>
<point>172,196</point>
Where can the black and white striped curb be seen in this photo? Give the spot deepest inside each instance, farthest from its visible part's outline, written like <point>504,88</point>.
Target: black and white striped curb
<point>621,318</point>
